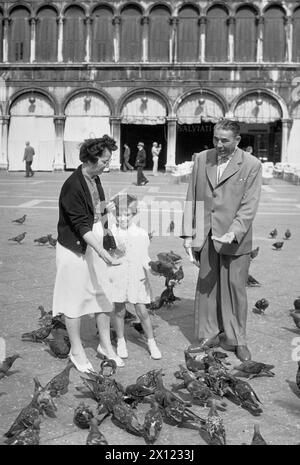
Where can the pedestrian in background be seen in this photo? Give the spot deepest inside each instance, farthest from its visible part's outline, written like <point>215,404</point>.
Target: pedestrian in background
<point>126,156</point>
<point>140,163</point>
<point>155,151</point>
<point>28,158</point>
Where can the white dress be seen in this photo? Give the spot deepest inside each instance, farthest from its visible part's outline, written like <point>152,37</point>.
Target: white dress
<point>129,280</point>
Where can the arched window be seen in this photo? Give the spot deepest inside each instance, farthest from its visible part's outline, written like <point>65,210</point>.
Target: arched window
<point>102,35</point>
<point>19,43</point>
<point>188,35</point>
<point>131,35</point>
<point>46,35</point>
<point>74,35</point>
<point>274,41</point>
<point>216,34</point>
<point>245,35</point>
<point>159,34</point>
<point>296,35</point>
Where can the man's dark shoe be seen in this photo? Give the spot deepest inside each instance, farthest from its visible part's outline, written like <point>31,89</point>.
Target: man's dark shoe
<point>243,353</point>
<point>203,344</point>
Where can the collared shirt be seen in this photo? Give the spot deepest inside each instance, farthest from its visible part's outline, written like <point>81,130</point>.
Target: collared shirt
<point>222,163</point>
<point>91,183</point>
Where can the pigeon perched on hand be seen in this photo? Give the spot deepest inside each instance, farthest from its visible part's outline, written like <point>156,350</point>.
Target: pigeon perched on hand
<point>18,238</point>
<point>273,234</point>
<point>42,240</point>
<point>287,234</point>
<point>257,439</point>
<point>20,220</point>
<point>277,245</point>
<point>7,364</point>
<point>260,306</point>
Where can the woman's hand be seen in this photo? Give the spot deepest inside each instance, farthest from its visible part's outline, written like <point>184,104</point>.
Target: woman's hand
<point>107,258</point>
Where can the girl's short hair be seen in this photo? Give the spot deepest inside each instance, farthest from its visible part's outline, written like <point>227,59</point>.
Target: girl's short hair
<point>123,202</point>
<point>92,149</point>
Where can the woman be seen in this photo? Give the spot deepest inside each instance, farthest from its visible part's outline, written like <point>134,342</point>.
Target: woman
<point>81,285</point>
<point>155,154</point>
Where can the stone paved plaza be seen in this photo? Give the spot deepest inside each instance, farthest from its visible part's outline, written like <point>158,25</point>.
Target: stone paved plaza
<point>27,273</point>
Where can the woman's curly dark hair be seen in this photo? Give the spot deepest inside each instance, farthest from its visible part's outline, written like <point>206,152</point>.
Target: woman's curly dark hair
<point>92,149</point>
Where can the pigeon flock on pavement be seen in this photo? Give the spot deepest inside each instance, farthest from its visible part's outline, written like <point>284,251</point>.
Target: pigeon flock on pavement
<point>207,378</point>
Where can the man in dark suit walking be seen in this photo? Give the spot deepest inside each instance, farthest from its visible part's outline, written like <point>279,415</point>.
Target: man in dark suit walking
<point>225,183</point>
<point>140,163</point>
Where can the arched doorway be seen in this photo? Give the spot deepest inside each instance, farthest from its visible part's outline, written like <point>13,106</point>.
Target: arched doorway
<point>143,119</point>
<point>196,114</point>
<point>260,115</point>
<point>31,120</point>
<point>87,115</point>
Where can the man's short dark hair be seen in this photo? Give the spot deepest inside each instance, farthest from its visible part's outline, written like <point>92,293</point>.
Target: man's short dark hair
<point>92,149</point>
<point>229,125</point>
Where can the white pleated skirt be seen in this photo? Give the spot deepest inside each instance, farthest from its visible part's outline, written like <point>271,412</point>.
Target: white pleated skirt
<point>81,285</point>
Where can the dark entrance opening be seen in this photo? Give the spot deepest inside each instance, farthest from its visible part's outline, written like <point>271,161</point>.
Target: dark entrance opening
<point>192,138</point>
<point>265,139</point>
<point>132,134</point>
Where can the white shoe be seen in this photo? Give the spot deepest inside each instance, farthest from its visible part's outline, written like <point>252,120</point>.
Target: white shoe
<point>117,359</point>
<point>122,348</point>
<point>154,350</point>
<point>83,367</point>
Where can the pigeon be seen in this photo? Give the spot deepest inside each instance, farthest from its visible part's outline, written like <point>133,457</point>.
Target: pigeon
<point>20,220</point>
<point>245,394</point>
<point>169,257</point>
<point>51,240</point>
<point>153,423</point>
<point>287,234</point>
<point>277,245</point>
<point>58,385</point>
<point>296,318</point>
<point>260,306</point>
<point>7,364</point>
<point>44,400</point>
<point>25,419</point>
<point>257,439</point>
<point>124,417</point>
<point>151,379</point>
<point>28,437</point>
<point>18,238</point>
<point>298,376</point>
<point>162,268</point>
<point>255,369</point>
<point>254,253</point>
<point>37,335</point>
<point>171,227</point>
<point>297,304</point>
<point>82,416</point>
<point>42,240</point>
<point>137,325</point>
<point>59,346</point>
<point>273,234</point>
<point>215,426</point>
<point>252,282</point>
<point>192,364</point>
<point>198,389</point>
<point>95,437</point>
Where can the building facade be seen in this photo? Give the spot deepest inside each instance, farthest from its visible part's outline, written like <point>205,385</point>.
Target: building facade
<point>147,71</point>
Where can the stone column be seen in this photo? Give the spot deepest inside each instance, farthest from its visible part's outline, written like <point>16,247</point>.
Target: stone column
<point>4,143</point>
<point>260,34</point>
<point>116,134</point>
<point>32,22</point>
<point>171,151</point>
<point>284,140</point>
<point>6,22</point>
<point>60,22</point>
<point>202,23</point>
<point>116,23</point>
<point>145,23</point>
<point>173,40</point>
<point>58,162</point>
<point>88,44</point>
<point>231,25</point>
<point>289,39</point>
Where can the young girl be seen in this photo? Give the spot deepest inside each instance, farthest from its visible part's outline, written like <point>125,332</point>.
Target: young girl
<point>130,279</point>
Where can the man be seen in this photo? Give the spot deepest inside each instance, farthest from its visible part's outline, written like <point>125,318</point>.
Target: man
<point>28,158</point>
<point>126,156</point>
<point>228,181</point>
<point>140,163</point>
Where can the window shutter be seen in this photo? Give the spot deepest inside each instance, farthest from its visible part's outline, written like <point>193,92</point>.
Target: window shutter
<point>217,35</point>
<point>245,35</point>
